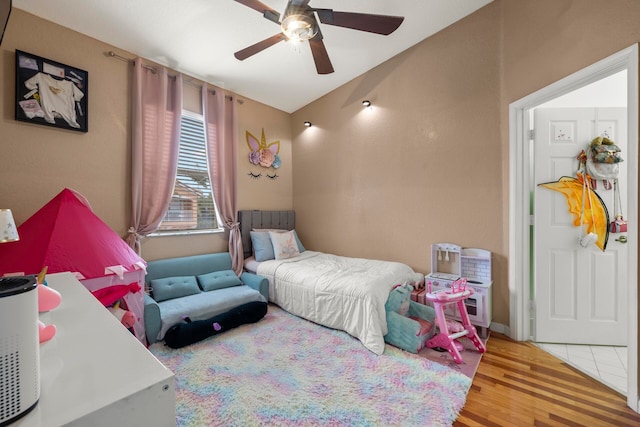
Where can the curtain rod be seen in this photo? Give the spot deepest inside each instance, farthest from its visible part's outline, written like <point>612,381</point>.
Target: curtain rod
<point>188,80</point>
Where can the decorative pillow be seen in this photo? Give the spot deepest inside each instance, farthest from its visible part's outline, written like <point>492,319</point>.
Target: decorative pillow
<point>300,247</point>
<point>174,287</point>
<point>218,280</point>
<point>284,245</point>
<point>277,230</point>
<point>262,247</point>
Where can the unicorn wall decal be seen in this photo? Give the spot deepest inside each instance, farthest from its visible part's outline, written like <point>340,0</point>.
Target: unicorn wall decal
<point>263,154</point>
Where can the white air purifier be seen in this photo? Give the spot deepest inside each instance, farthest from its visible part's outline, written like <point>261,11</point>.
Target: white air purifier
<point>19,347</point>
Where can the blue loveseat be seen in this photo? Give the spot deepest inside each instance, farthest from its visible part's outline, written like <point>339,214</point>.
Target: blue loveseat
<point>198,286</point>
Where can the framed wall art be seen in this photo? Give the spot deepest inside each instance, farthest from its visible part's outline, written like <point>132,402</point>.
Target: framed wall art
<point>50,93</point>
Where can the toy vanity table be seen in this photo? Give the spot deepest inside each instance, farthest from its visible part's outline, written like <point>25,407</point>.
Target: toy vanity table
<point>450,262</point>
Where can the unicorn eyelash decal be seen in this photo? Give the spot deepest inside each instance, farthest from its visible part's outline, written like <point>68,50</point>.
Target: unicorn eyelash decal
<point>263,154</point>
<point>274,176</point>
<point>254,175</point>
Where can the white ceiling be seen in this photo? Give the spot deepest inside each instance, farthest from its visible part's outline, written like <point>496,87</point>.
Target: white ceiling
<point>199,38</point>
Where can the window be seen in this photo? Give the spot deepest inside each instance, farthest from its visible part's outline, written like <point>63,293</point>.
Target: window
<point>192,207</point>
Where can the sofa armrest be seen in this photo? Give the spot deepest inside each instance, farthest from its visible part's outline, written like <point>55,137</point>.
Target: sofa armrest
<point>152,320</point>
<point>259,283</point>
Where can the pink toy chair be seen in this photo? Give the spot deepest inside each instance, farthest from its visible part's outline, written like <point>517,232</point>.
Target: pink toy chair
<point>456,295</point>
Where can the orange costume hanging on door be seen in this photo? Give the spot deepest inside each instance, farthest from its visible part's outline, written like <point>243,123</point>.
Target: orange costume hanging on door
<point>596,216</point>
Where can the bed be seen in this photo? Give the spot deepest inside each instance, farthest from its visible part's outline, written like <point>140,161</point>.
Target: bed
<point>339,292</point>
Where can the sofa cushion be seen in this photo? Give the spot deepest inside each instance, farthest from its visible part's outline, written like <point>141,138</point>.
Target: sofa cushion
<point>192,265</point>
<point>174,287</point>
<point>218,280</point>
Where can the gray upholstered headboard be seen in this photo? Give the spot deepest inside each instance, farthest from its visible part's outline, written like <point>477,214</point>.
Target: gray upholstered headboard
<point>282,220</point>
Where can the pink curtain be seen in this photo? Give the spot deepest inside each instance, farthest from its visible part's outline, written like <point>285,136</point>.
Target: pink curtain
<point>156,108</point>
<point>222,152</point>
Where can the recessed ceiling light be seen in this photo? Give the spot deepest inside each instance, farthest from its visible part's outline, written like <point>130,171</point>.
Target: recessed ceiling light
<point>307,124</point>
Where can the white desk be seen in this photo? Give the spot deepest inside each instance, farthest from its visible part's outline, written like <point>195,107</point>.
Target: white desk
<point>94,372</point>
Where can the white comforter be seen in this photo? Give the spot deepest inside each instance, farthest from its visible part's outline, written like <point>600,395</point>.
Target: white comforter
<point>339,292</point>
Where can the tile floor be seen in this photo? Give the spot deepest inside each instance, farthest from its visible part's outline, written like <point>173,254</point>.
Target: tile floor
<point>607,364</point>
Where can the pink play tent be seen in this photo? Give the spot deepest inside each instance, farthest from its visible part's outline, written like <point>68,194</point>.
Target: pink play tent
<point>65,235</point>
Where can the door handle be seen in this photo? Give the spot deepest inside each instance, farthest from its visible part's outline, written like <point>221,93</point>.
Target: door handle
<point>622,239</point>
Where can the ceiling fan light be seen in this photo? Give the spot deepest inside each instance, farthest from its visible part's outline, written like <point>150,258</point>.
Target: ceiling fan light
<point>299,27</point>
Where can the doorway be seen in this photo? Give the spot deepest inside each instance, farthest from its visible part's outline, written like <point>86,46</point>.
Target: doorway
<point>520,272</point>
<point>580,293</point>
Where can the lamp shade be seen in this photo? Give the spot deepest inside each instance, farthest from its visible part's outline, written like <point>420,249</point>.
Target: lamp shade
<point>8,230</point>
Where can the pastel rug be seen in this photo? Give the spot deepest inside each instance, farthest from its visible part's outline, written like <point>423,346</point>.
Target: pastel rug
<point>287,371</point>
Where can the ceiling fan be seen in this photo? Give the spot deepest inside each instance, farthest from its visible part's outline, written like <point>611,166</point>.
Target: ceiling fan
<point>300,23</point>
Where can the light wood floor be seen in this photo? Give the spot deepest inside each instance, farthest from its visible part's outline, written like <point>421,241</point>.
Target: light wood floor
<point>518,384</point>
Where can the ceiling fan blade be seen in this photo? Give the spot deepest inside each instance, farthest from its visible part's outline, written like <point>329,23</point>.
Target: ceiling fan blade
<point>266,11</point>
<point>259,47</point>
<point>379,24</point>
<point>299,2</point>
<point>320,55</point>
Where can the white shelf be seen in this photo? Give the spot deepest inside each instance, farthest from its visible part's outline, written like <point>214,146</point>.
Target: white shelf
<point>94,371</point>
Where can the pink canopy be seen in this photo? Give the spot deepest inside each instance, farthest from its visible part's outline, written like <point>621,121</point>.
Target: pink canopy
<point>65,235</point>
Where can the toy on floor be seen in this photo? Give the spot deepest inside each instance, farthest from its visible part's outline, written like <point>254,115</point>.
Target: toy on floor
<point>189,332</point>
<point>111,298</point>
<point>409,324</point>
<point>48,299</point>
<point>453,327</point>
<point>445,338</point>
<point>126,317</point>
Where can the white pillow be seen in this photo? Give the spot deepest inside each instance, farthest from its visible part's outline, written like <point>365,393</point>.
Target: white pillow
<point>284,245</point>
<point>279,230</point>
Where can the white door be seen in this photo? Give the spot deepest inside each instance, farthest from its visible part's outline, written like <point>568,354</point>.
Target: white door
<point>580,293</point>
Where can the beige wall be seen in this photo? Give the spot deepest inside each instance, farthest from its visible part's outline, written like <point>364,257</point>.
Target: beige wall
<point>39,161</point>
<point>421,166</point>
<point>263,192</point>
<point>429,162</point>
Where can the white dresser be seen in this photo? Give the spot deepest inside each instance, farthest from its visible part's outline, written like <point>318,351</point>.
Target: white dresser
<point>94,372</point>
